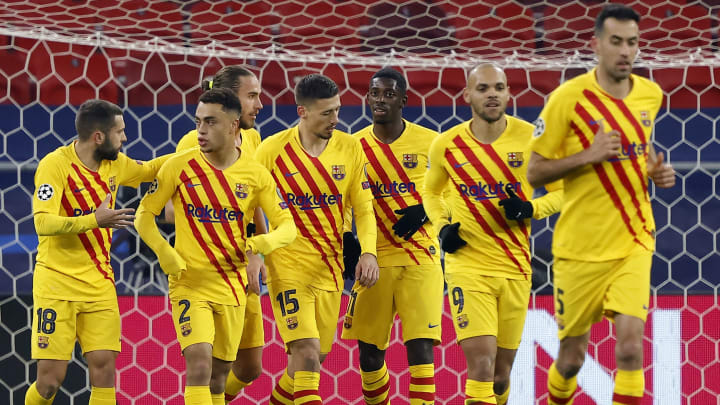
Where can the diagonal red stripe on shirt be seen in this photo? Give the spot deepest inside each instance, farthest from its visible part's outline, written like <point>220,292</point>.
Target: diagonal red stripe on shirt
<point>607,185</point>
<point>210,229</point>
<point>315,189</point>
<point>638,129</point>
<point>310,214</point>
<point>476,214</point>
<point>85,241</point>
<point>489,179</point>
<point>104,246</point>
<point>617,166</point>
<point>389,236</point>
<point>93,194</point>
<point>383,205</point>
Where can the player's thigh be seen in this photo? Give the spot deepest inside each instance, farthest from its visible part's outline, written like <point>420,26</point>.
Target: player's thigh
<point>370,311</point>
<point>419,302</point>
<point>228,321</point>
<point>293,305</point>
<point>193,320</point>
<point>473,302</point>
<point>629,289</point>
<point>327,311</point>
<point>54,329</point>
<point>512,309</point>
<point>579,292</point>
<point>253,334</point>
<point>98,326</point>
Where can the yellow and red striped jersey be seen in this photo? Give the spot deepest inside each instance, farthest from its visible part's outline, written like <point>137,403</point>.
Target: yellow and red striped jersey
<point>76,267</point>
<point>316,190</point>
<point>248,146</point>
<point>478,173</point>
<point>397,172</point>
<point>210,219</point>
<point>606,213</point>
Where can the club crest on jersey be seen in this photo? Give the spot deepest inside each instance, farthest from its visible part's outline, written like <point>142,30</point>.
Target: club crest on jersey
<point>241,190</point>
<point>410,160</point>
<point>348,322</point>
<point>338,172</point>
<point>43,342</point>
<point>112,184</point>
<point>515,159</point>
<point>462,321</point>
<point>292,322</point>
<point>185,329</point>
<point>645,118</point>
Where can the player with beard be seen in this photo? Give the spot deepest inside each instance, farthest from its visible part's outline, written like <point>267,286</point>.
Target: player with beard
<point>318,170</point>
<point>484,228</point>
<point>73,284</point>
<point>397,152</point>
<point>595,134</point>
<point>248,365</point>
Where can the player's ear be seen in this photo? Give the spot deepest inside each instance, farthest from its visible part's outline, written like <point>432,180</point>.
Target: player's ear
<point>594,43</point>
<point>98,137</point>
<point>302,111</point>
<point>466,95</point>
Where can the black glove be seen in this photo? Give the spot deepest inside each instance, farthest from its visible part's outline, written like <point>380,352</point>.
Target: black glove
<point>250,230</point>
<point>450,240</point>
<point>351,255</point>
<point>413,218</point>
<point>515,207</point>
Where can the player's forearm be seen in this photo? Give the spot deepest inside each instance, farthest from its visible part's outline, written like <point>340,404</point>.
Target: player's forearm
<point>149,232</point>
<point>542,171</point>
<point>283,234</point>
<point>347,218</point>
<point>434,201</point>
<point>366,227</point>
<point>49,224</point>
<point>548,204</point>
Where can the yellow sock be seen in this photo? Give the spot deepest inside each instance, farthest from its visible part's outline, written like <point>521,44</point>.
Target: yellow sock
<point>217,399</point>
<point>102,396</point>
<point>376,385</point>
<point>422,384</point>
<point>629,387</point>
<point>283,392</point>
<point>197,395</point>
<point>33,397</point>
<point>561,391</point>
<point>479,392</point>
<point>306,388</point>
<point>233,386</point>
<point>502,398</point>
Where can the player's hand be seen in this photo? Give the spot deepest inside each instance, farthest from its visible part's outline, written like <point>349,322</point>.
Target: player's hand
<point>450,240</point>
<point>351,255</point>
<point>515,207</point>
<point>662,174</point>
<point>109,218</point>
<point>367,270</point>
<point>413,218</point>
<point>255,269</point>
<point>171,262</point>
<point>606,145</point>
<point>250,230</point>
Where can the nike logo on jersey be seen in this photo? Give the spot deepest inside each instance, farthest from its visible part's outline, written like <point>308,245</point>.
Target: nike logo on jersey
<point>191,185</point>
<point>457,165</point>
<point>433,326</point>
<point>291,174</point>
<point>77,190</point>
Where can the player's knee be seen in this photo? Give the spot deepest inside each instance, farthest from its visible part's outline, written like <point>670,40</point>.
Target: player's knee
<point>248,372</point>
<point>198,372</point>
<point>420,351</point>
<point>48,387</point>
<point>628,352</point>
<point>482,366</point>
<point>307,353</point>
<point>371,358</point>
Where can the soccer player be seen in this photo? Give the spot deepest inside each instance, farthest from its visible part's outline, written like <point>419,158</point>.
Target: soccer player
<point>594,134</point>
<point>73,284</point>
<point>484,229</point>
<point>212,187</point>
<point>318,170</point>
<point>397,152</point>
<point>248,365</point>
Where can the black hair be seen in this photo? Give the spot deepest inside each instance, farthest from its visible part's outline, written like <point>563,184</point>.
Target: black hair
<point>223,96</point>
<point>314,87</point>
<point>620,12</point>
<point>390,73</point>
<point>95,115</point>
<point>228,77</point>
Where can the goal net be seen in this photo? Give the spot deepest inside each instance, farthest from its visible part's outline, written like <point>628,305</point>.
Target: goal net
<point>149,57</point>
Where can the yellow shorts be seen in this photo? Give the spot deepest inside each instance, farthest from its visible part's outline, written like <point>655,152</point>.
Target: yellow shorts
<point>199,321</point>
<point>253,334</point>
<point>305,312</point>
<point>415,293</point>
<point>585,291</point>
<point>57,323</point>
<point>488,306</point>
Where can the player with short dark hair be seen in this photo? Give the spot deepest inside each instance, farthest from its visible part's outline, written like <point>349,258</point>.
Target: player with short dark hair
<point>595,134</point>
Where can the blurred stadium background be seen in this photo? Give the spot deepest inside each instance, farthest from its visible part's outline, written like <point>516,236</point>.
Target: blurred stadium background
<point>150,56</point>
